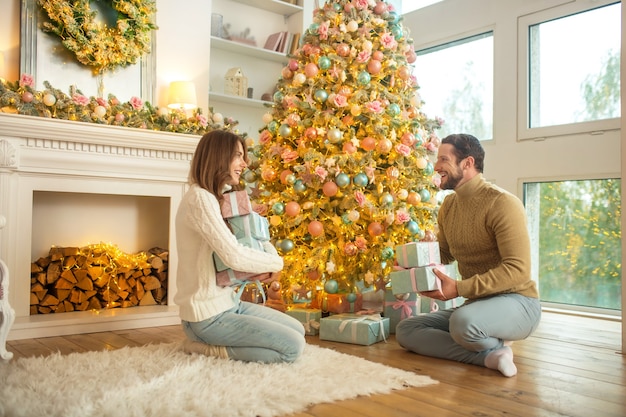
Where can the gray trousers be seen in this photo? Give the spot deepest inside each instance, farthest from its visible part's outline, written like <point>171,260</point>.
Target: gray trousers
<point>468,333</point>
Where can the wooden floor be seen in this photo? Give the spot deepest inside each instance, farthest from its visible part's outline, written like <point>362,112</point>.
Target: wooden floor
<point>571,366</point>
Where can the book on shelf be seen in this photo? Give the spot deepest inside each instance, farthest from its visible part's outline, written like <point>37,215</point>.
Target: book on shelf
<point>273,41</point>
<point>293,47</point>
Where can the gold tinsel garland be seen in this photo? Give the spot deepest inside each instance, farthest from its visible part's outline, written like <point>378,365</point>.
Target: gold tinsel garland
<point>98,45</point>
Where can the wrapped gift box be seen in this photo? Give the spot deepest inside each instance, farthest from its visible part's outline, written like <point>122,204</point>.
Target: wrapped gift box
<point>421,278</point>
<point>429,305</point>
<point>414,254</point>
<point>398,307</point>
<point>250,225</point>
<point>246,241</point>
<point>337,303</point>
<point>354,328</point>
<point>228,277</point>
<point>309,317</point>
<point>235,203</point>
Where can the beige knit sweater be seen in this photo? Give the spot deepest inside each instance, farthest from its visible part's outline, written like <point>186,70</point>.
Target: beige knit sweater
<point>483,228</point>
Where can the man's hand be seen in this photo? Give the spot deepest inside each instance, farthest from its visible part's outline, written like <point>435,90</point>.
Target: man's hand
<point>448,288</point>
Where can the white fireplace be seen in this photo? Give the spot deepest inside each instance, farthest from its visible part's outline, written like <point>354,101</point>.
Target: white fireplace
<point>71,184</point>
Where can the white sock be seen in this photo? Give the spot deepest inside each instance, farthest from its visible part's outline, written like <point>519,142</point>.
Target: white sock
<point>502,360</point>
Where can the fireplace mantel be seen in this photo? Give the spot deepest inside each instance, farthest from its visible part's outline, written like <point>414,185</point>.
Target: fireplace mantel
<point>39,154</point>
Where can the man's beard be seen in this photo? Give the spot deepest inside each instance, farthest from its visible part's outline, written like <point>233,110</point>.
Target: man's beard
<point>452,179</point>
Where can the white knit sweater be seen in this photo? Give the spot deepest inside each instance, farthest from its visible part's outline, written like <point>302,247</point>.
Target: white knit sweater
<point>200,231</point>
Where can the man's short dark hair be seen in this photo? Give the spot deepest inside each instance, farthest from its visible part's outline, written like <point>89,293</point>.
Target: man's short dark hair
<point>467,145</point>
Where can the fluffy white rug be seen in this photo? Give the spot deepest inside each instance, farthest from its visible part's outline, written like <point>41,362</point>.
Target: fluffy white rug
<point>160,380</point>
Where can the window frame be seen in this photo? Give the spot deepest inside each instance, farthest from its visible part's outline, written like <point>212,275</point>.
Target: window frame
<point>463,37</point>
<point>524,131</point>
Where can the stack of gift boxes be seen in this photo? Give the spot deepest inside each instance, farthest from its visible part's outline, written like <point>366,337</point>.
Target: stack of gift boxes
<point>415,273</point>
<point>250,229</point>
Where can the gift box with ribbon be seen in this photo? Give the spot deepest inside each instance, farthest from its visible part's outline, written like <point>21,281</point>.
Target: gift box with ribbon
<point>229,277</point>
<point>359,329</point>
<point>250,225</point>
<point>309,317</point>
<point>414,254</point>
<point>398,307</point>
<point>235,203</point>
<point>421,278</point>
<point>246,241</point>
<point>430,305</point>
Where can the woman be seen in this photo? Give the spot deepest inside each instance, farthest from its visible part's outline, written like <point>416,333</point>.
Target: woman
<point>215,321</point>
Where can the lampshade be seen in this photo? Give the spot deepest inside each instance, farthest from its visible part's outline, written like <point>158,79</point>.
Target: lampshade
<point>182,95</point>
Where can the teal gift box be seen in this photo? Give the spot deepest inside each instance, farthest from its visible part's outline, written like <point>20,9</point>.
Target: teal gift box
<point>430,305</point>
<point>309,317</point>
<point>250,225</point>
<point>418,279</point>
<point>246,241</point>
<point>398,307</point>
<point>354,328</point>
<point>414,254</point>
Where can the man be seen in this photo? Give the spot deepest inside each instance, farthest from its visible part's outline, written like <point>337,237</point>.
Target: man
<point>483,228</point>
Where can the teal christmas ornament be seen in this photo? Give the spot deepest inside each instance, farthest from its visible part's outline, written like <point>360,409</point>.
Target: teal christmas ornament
<point>323,62</point>
<point>360,180</point>
<point>249,176</point>
<point>424,195</point>
<point>393,109</point>
<point>272,126</point>
<point>299,186</point>
<point>364,78</point>
<point>386,199</point>
<point>278,97</point>
<point>428,169</point>
<point>278,208</point>
<point>351,297</point>
<point>321,96</point>
<point>287,245</point>
<point>342,180</point>
<point>412,227</point>
<point>331,286</point>
<point>387,253</point>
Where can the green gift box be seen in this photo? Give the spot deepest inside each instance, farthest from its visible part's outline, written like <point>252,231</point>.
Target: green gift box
<point>429,305</point>
<point>354,328</point>
<point>398,307</point>
<point>250,225</point>
<point>414,254</point>
<point>418,279</point>
<point>309,317</point>
<point>246,241</point>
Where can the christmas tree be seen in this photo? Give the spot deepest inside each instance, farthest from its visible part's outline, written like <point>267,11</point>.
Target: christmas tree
<point>343,165</point>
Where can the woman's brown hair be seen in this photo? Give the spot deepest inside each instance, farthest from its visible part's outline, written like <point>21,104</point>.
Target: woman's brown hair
<point>210,166</point>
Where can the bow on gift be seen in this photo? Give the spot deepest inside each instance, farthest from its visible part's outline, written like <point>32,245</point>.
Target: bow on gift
<point>404,307</point>
<point>354,321</point>
<point>311,325</point>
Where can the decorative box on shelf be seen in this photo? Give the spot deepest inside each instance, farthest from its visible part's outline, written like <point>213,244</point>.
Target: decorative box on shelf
<point>235,83</point>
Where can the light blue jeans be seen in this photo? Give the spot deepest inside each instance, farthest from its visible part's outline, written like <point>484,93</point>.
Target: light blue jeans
<point>468,333</point>
<point>252,333</point>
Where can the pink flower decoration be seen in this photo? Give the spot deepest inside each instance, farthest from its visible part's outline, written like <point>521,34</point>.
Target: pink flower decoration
<point>261,209</point>
<point>136,103</point>
<point>350,249</point>
<point>388,41</point>
<point>202,120</point>
<point>360,4</point>
<point>289,156</point>
<point>321,172</point>
<point>403,150</point>
<point>402,217</point>
<point>323,30</point>
<point>369,171</point>
<point>363,56</point>
<point>360,198</point>
<point>375,107</point>
<point>265,137</point>
<point>102,102</point>
<point>340,100</point>
<point>27,80</point>
<point>80,99</point>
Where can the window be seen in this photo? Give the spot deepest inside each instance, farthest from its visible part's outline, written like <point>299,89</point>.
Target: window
<point>564,93</point>
<point>576,242</point>
<point>456,85</point>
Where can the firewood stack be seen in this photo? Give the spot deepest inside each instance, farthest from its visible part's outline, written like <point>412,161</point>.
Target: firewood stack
<point>97,277</point>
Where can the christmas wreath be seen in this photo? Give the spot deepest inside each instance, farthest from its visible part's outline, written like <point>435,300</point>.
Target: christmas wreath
<point>96,44</point>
